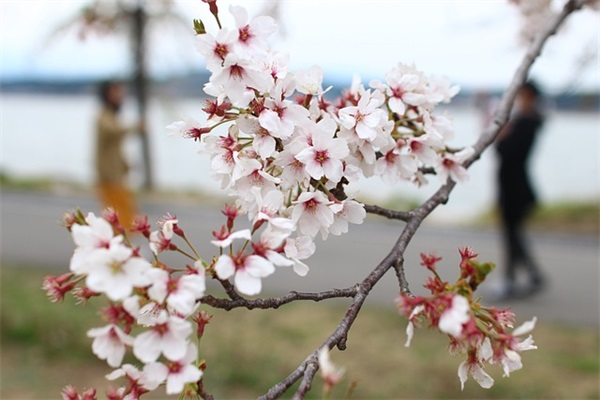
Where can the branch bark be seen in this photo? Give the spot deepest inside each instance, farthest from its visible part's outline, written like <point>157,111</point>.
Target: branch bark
<point>390,214</point>
<point>276,302</point>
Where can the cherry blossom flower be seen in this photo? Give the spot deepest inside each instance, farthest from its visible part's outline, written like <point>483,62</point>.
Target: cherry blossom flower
<point>293,170</point>
<point>116,271</point>
<point>97,234</point>
<point>150,314</point>
<point>262,142</point>
<point>324,157</point>
<point>419,146</point>
<point>393,167</point>
<point>439,127</point>
<point>247,271</point>
<point>180,293</point>
<point>134,376</point>
<point>177,373</point>
<point>297,249</point>
<point>251,36</point>
<point>110,343</point>
<point>312,213</point>
<point>281,116</point>
<point>405,85</point>
<point>257,178</point>
<point>214,49</point>
<point>310,81</point>
<point>351,211</point>
<point>187,128</point>
<point>455,316</point>
<point>236,79</point>
<point>366,116</point>
<point>268,208</point>
<point>270,246</point>
<point>477,372</point>
<point>450,165</point>
<point>511,358</point>
<point>169,336</point>
<point>158,242</point>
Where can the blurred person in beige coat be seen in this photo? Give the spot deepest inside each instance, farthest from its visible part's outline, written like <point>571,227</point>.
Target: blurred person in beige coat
<point>111,166</point>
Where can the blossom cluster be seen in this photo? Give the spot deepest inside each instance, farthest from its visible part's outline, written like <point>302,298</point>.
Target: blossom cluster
<point>288,152</point>
<point>286,156</point>
<point>482,333</point>
<point>152,307</point>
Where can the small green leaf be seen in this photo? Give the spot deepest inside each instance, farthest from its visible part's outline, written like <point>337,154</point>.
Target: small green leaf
<point>199,27</point>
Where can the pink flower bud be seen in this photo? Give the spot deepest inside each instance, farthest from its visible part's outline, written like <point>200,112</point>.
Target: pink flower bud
<point>69,393</point>
<point>141,225</point>
<point>202,318</point>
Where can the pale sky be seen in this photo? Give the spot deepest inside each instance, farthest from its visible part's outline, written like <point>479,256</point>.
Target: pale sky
<point>474,43</point>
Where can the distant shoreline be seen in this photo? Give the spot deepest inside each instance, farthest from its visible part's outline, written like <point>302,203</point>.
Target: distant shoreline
<point>190,86</point>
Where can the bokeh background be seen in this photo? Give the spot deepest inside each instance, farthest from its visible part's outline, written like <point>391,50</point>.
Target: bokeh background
<point>53,53</point>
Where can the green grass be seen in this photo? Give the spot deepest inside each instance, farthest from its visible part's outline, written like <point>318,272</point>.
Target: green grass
<point>44,347</point>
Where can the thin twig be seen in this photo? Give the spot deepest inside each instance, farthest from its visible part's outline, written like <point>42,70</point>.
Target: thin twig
<point>276,302</point>
<point>402,281</point>
<point>230,290</point>
<point>309,374</point>
<point>202,391</point>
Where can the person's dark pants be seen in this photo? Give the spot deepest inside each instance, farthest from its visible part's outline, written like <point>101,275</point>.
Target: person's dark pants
<point>517,252</point>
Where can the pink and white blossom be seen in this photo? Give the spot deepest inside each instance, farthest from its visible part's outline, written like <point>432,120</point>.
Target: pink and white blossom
<point>455,316</point>
<point>324,157</point>
<point>180,293</point>
<point>366,117</point>
<point>262,141</point>
<point>252,35</point>
<point>168,336</point>
<point>97,234</point>
<point>281,116</point>
<point>187,128</point>
<point>116,271</point>
<point>351,212</point>
<point>110,343</point>
<point>215,49</point>
<point>247,271</point>
<point>312,213</point>
<point>310,81</point>
<point>298,249</point>
<point>476,371</point>
<point>395,166</point>
<point>450,165</point>
<point>176,373</point>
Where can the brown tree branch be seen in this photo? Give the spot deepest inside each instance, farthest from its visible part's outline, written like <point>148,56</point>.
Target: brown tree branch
<point>202,391</point>
<point>390,214</point>
<point>276,302</point>
<point>230,289</point>
<point>394,258</point>
<point>339,336</point>
<point>306,383</point>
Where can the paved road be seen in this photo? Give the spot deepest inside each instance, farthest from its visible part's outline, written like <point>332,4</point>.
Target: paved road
<point>30,233</point>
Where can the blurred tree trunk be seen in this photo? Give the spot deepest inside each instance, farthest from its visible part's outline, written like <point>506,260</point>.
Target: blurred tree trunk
<point>140,82</point>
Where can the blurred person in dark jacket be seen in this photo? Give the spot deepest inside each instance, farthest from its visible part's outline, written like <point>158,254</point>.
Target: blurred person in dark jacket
<point>516,196</point>
<point>111,165</point>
